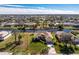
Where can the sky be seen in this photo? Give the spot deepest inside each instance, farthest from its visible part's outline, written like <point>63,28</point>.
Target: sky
<point>39,8</point>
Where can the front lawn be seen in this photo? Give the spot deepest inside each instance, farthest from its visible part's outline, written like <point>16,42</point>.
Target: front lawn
<point>36,48</point>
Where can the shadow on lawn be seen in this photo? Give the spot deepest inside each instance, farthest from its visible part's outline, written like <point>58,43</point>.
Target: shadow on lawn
<point>67,50</point>
<point>1,40</point>
<point>10,45</point>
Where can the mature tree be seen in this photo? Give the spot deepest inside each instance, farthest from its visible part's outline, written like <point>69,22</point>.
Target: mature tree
<point>67,49</point>
<point>60,27</point>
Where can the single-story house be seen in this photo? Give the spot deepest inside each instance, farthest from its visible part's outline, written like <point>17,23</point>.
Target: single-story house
<point>43,37</point>
<point>63,36</point>
<point>4,34</point>
<point>66,37</point>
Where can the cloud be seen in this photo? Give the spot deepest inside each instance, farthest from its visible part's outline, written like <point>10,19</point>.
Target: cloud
<point>11,5</point>
<point>39,10</point>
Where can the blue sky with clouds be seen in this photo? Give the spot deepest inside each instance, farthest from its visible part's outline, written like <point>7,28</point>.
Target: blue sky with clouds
<point>39,9</point>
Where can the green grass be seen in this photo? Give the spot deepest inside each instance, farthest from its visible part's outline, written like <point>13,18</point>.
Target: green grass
<point>7,41</point>
<point>69,27</point>
<point>28,47</point>
<point>7,44</point>
<point>77,35</point>
<point>25,47</point>
<point>77,50</point>
<point>57,48</point>
<point>36,48</point>
<point>54,38</point>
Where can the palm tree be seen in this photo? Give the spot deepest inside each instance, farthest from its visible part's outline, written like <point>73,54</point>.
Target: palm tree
<point>15,35</point>
<point>19,38</point>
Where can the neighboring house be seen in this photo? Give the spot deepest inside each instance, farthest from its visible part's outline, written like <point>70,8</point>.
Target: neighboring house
<point>58,35</point>
<point>66,37</point>
<point>18,24</point>
<point>63,37</point>
<point>43,37</point>
<point>4,34</point>
<point>71,24</point>
<point>76,41</point>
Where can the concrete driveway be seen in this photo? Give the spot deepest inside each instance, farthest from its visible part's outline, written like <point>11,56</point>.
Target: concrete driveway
<point>52,51</point>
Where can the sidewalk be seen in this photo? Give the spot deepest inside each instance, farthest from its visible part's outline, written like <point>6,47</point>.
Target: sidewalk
<point>52,51</point>
<point>5,53</point>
